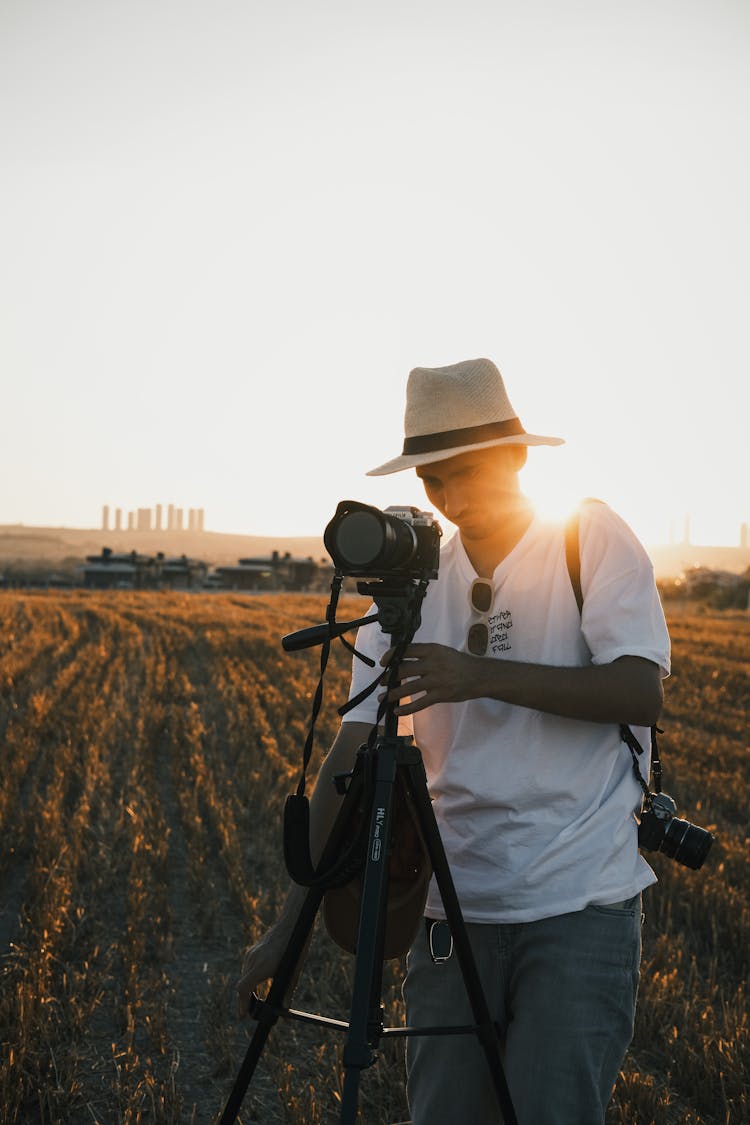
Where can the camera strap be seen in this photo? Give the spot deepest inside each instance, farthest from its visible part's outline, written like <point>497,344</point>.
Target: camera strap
<point>635,749</point>
<point>334,632</point>
<point>297,807</point>
<point>366,692</point>
<point>573,561</point>
<point>325,652</point>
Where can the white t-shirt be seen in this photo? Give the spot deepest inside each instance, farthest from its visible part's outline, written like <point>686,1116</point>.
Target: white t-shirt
<point>536,812</point>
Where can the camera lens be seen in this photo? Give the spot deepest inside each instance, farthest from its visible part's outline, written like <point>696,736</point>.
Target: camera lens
<point>365,539</point>
<point>686,843</point>
<point>359,538</point>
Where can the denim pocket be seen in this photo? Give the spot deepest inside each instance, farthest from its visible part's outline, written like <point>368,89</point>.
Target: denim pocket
<point>626,908</point>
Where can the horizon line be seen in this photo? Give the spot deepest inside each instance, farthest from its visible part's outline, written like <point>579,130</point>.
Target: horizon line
<point>186,531</point>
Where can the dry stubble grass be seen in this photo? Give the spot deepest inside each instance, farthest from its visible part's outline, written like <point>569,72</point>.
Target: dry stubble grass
<point>149,742</point>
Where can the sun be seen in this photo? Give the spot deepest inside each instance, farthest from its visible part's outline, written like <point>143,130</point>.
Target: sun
<point>551,504</point>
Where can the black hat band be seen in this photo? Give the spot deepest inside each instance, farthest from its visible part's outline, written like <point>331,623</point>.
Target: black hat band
<point>470,435</point>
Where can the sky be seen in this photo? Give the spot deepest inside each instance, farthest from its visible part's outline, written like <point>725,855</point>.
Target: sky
<point>228,230</point>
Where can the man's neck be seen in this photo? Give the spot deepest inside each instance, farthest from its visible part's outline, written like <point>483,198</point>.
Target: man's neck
<point>486,553</point>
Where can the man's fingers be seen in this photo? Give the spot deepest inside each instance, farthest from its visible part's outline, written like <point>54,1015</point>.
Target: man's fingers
<point>243,999</point>
<point>255,970</point>
<point>416,667</point>
<point>407,688</point>
<point>410,684</point>
<point>412,652</point>
<point>261,964</point>
<point>413,706</point>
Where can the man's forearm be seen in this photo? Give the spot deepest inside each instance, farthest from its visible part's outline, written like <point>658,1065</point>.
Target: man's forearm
<point>626,691</point>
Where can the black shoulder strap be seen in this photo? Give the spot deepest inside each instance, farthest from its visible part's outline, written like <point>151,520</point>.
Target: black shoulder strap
<point>573,558</point>
<point>573,550</point>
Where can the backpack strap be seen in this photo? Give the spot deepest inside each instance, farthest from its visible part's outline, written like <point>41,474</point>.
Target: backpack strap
<point>573,558</point>
<point>573,561</point>
<point>573,550</point>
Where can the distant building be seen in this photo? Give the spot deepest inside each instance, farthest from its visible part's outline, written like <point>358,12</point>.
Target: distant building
<point>124,571</point>
<point>128,570</point>
<point>182,573</point>
<point>245,576</point>
<point>196,519</point>
<point>276,572</point>
<point>158,518</point>
<point>290,573</point>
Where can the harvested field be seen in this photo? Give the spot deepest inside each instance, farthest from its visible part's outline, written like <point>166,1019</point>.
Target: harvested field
<point>148,744</point>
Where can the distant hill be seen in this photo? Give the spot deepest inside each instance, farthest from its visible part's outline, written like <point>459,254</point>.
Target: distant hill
<point>18,542</point>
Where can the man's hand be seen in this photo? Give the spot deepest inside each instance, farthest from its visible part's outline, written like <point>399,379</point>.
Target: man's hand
<point>261,962</point>
<point>433,674</point>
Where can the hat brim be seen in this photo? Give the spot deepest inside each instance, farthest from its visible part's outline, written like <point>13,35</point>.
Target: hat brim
<point>405,905</point>
<point>414,460</point>
<point>409,874</point>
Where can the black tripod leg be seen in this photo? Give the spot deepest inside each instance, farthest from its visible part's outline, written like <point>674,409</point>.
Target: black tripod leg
<point>365,1021</point>
<point>486,1029</point>
<point>269,1008</point>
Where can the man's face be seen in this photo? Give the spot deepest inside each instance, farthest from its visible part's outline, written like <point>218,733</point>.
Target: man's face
<point>476,490</point>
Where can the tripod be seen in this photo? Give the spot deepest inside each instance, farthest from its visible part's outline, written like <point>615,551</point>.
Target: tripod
<point>391,762</point>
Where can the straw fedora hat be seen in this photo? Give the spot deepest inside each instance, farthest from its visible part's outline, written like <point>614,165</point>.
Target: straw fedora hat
<point>450,410</point>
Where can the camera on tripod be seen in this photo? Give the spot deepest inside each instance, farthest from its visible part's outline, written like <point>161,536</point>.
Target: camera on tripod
<point>400,542</point>
<point>660,830</point>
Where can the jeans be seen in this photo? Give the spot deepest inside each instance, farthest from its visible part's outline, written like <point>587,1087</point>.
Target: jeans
<point>563,992</point>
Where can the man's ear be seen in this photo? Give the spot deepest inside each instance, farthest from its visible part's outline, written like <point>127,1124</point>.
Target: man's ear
<point>520,453</point>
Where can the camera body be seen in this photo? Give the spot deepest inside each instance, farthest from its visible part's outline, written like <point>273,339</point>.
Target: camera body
<point>398,543</point>
<point>659,830</point>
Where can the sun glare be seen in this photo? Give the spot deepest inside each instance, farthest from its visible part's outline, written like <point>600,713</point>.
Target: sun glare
<point>552,505</point>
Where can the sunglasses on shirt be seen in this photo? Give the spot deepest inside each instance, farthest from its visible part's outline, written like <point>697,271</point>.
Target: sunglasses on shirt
<point>480,596</point>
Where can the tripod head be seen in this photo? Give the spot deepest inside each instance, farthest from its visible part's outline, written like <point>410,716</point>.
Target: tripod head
<point>398,600</point>
<point>399,613</point>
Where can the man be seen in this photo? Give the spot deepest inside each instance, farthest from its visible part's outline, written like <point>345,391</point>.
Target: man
<point>516,699</point>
